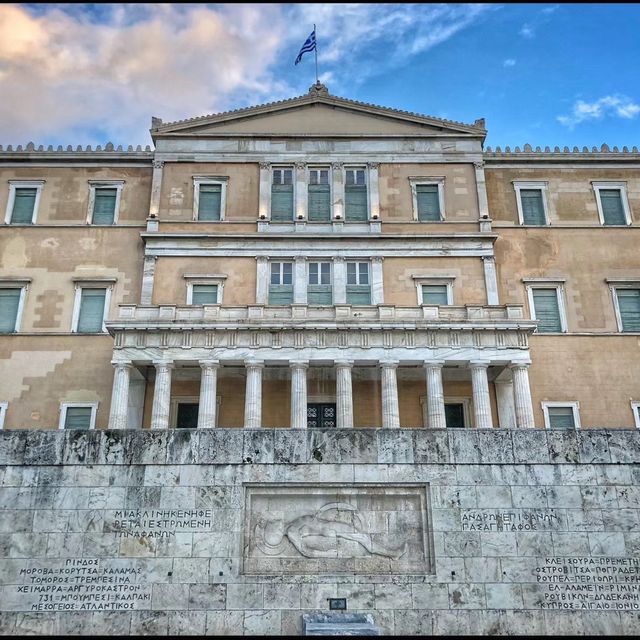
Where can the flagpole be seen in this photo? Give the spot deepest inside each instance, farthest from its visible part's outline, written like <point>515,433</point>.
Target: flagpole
<point>316,52</point>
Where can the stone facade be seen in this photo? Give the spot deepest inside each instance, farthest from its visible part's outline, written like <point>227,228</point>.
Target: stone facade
<point>492,531</point>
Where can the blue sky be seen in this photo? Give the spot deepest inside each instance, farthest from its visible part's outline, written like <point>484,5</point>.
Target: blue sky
<point>544,74</point>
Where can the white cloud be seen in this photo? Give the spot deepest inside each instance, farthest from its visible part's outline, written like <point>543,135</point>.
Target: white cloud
<point>612,106</point>
<point>527,31</point>
<point>93,73</point>
<point>509,62</point>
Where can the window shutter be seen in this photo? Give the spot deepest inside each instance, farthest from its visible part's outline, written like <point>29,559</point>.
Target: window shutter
<point>78,418</point>
<point>561,417</point>
<point>281,202</point>
<point>91,311</point>
<point>434,294</point>
<point>204,294</point>
<point>358,294</point>
<point>319,203</point>
<point>281,294</point>
<point>209,203</point>
<point>356,203</point>
<point>532,207</point>
<point>319,294</point>
<point>9,302</point>
<point>23,204</point>
<point>428,202</point>
<point>612,209</point>
<point>547,311</point>
<point>629,305</point>
<point>104,206</point>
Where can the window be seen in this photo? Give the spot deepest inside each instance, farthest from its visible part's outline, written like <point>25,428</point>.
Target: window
<point>613,206</point>
<point>104,202</point>
<point>355,197</point>
<point>319,285</point>
<point>561,415</point>
<point>204,294</point>
<point>434,290</point>
<point>205,289</point>
<point>209,198</point>
<point>78,416</point>
<point>11,304</point>
<point>358,283</point>
<point>627,306</point>
<point>281,283</point>
<point>90,308</point>
<point>3,413</point>
<point>282,194</point>
<point>546,304</point>
<point>24,198</point>
<point>428,198</point>
<point>531,198</point>
<point>435,294</point>
<point>319,195</point>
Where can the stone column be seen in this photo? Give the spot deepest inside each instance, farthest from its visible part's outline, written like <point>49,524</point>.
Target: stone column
<point>435,395</point>
<point>161,395</point>
<point>339,281</point>
<point>522,396</point>
<point>156,186</point>
<point>148,275</point>
<point>299,394</point>
<point>374,192</point>
<point>253,394</point>
<point>390,406</point>
<point>262,280</point>
<point>506,408</point>
<point>337,179</point>
<point>377,280</point>
<point>208,390</point>
<point>300,280</point>
<point>264,202</point>
<point>344,394</point>
<point>300,177</point>
<point>490,279</point>
<point>481,398</point>
<point>481,186</point>
<point>120,395</point>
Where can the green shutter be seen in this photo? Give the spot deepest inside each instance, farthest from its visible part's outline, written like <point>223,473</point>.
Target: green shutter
<point>204,294</point>
<point>434,294</point>
<point>545,302</point>
<point>9,303</point>
<point>612,209</point>
<point>358,294</point>
<point>319,202</point>
<point>78,418</point>
<point>209,203</point>
<point>532,207</point>
<point>428,202</point>
<point>281,294</point>
<point>319,294</point>
<point>629,305</point>
<point>281,202</point>
<point>23,204</point>
<point>91,310</point>
<point>356,203</point>
<point>104,206</point>
<point>561,417</point>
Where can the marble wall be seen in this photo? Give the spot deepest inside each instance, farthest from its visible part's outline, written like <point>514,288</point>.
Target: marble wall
<point>234,531</point>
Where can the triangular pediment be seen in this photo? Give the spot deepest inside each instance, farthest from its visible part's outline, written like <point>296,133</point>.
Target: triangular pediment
<point>317,113</point>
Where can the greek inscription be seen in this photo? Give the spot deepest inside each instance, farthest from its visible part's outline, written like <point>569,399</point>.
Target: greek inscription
<point>508,520</point>
<point>159,523</point>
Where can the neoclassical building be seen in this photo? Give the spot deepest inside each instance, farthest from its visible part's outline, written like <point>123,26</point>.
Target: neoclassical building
<point>319,262</point>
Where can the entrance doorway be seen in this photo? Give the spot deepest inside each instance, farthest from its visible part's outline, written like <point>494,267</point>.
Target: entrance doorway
<point>321,415</point>
<point>187,417</point>
<point>454,414</point>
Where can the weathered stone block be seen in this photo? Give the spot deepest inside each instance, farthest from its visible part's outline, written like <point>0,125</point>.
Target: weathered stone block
<point>245,596</point>
<point>207,596</point>
<point>430,596</point>
<point>530,446</point>
<point>43,447</point>
<point>467,596</point>
<point>258,446</point>
<point>431,446</point>
<point>220,446</point>
<point>187,623</point>
<point>80,446</point>
<point>563,446</point>
<point>265,623</point>
<point>225,623</point>
<point>495,446</point>
<point>593,446</point>
<point>149,623</point>
<point>290,446</point>
<point>12,446</point>
<point>148,446</point>
<point>624,445</point>
<point>463,446</point>
<point>395,446</point>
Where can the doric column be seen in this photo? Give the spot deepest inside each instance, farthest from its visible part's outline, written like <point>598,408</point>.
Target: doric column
<point>344,394</point>
<point>481,186</point>
<point>300,280</point>
<point>491,279</point>
<point>156,187</point>
<point>337,179</point>
<point>435,395</point>
<point>161,395</point>
<point>301,190</point>
<point>208,390</point>
<point>253,394</point>
<point>148,274</point>
<point>390,406</point>
<point>522,396</point>
<point>264,203</point>
<point>504,400</point>
<point>339,280</point>
<point>481,399</point>
<point>299,394</point>
<point>120,395</point>
<point>374,192</point>
<point>262,280</point>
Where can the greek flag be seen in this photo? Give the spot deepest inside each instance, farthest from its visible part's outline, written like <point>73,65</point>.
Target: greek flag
<point>309,45</point>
